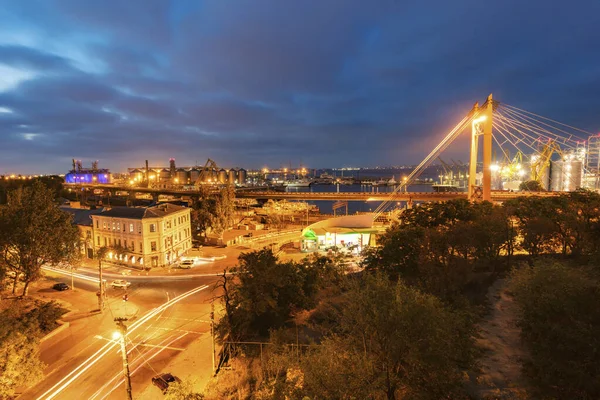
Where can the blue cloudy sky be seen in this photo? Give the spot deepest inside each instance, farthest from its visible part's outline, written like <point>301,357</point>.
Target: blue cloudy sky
<point>271,82</point>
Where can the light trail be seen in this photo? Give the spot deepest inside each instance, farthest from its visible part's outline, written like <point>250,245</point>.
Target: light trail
<point>74,274</point>
<point>134,361</point>
<point>143,361</point>
<point>84,366</point>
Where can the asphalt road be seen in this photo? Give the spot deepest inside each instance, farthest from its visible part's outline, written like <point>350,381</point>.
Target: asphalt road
<point>155,336</point>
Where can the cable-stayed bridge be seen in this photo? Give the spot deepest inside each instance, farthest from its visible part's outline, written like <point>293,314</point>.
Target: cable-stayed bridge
<point>508,146</point>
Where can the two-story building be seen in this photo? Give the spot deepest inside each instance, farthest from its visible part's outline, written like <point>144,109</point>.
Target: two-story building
<point>144,236</point>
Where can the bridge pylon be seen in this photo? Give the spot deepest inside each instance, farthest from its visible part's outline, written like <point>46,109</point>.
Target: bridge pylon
<point>481,126</point>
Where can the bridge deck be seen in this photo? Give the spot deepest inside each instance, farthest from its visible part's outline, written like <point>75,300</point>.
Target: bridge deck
<point>332,196</point>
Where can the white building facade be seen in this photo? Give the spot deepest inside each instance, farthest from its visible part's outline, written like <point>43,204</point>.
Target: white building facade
<point>144,236</point>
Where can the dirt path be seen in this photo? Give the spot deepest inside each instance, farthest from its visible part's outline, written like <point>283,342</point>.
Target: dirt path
<point>500,376</point>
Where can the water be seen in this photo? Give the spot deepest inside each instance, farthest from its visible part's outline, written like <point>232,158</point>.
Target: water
<point>325,206</point>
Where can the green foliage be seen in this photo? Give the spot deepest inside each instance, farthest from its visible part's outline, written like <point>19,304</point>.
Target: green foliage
<point>560,326</point>
<point>54,183</point>
<point>266,292</point>
<point>394,340</point>
<point>222,218</point>
<point>19,363</point>
<point>568,223</point>
<point>182,391</point>
<point>531,186</point>
<point>437,246</point>
<point>34,232</point>
<point>21,327</point>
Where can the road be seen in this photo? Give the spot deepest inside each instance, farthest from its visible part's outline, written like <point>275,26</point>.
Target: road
<point>88,363</point>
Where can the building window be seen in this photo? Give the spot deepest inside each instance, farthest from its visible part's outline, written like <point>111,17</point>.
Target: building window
<point>118,226</point>
<point>180,236</point>
<point>105,242</point>
<point>131,228</point>
<point>104,225</point>
<point>141,247</point>
<point>97,224</point>
<point>124,227</point>
<point>152,246</point>
<point>98,240</point>
<point>139,228</point>
<point>114,226</point>
<point>125,243</point>
<point>152,227</point>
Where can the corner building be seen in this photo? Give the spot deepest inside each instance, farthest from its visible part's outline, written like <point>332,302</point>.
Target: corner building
<point>145,236</point>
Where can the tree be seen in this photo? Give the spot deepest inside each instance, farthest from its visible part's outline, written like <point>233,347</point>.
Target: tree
<point>21,327</point>
<point>35,232</point>
<point>223,213</point>
<point>19,363</point>
<point>394,341</point>
<point>398,253</point>
<point>560,326</point>
<point>202,216</point>
<point>265,294</point>
<point>531,186</point>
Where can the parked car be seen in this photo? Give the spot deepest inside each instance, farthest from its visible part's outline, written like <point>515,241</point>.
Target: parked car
<point>162,381</point>
<point>120,283</point>
<point>60,286</point>
<point>186,264</point>
<point>248,234</point>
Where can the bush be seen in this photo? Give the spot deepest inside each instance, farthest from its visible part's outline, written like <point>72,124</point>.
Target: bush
<point>560,322</point>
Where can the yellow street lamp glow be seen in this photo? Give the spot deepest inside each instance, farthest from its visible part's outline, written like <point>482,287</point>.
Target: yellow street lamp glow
<point>116,335</point>
<point>130,182</point>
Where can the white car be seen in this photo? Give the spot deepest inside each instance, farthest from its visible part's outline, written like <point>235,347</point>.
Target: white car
<point>120,283</point>
<point>186,264</point>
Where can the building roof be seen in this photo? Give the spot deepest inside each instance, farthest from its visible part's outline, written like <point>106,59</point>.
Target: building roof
<point>81,216</point>
<point>158,211</point>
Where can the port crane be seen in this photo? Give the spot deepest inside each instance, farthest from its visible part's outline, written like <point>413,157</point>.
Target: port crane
<point>205,174</point>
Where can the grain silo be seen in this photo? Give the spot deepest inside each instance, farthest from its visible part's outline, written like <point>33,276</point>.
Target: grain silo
<point>242,175</point>
<point>181,175</point>
<point>194,175</point>
<point>164,174</point>
<point>232,176</point>
<point>223,175</point>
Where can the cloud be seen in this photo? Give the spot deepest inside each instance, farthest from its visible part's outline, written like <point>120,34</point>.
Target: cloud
<point>250,83</point>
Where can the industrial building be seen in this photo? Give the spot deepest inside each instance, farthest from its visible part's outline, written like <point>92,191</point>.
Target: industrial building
<point>173,175</point>
<point>79,174</point>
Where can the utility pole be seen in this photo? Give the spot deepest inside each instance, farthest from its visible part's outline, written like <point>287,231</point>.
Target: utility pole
<point>100,286</point>
<point>121,335</point>
<point>212,332</point>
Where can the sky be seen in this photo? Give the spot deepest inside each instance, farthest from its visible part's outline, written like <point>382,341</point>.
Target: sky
<point>255,83</point>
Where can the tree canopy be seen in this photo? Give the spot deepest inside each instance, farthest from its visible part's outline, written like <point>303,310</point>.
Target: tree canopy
<point>34,232</point>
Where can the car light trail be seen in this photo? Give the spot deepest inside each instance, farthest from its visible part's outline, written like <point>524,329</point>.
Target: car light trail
<point>84,366</point>
<point>143,360</point>
<point>74,274</point>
